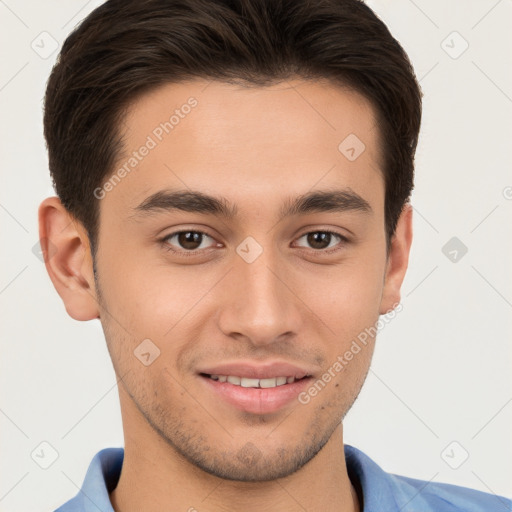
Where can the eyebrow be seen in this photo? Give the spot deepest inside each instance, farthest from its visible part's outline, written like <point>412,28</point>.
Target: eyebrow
<point>318,201</point>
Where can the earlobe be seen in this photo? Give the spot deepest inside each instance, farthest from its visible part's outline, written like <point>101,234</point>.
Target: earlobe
<point>68,260</point>
<point>398,260</point>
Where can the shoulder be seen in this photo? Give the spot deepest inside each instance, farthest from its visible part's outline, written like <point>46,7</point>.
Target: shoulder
<point>436,496</point>
<point>380,490</point>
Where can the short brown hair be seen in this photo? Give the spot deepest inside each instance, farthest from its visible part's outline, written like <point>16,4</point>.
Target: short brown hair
<point>125,48</point>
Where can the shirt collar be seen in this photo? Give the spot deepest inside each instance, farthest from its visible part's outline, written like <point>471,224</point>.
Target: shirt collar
<point>101,479</point>
<point>376,486</point>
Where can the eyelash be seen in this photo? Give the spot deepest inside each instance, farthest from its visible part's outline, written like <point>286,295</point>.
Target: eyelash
<point>167,247</point>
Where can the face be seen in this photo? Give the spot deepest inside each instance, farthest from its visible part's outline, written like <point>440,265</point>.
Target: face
<point>258,274</point>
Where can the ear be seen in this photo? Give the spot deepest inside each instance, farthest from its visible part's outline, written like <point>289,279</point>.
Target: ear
<point>398,260</point>
<point>67,256</point>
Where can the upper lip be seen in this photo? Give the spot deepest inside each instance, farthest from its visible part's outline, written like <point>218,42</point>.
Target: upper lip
<point>257,370</point>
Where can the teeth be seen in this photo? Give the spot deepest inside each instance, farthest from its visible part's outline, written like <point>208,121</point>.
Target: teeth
<point>247,382</point>
<point>268,383</point>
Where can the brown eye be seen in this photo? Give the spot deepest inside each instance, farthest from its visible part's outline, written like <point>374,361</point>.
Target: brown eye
<point>190,239</point>
<point>186,240</point>
<point>320,240</point>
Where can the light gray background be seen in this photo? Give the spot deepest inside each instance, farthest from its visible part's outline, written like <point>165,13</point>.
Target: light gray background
<point>441,369</point>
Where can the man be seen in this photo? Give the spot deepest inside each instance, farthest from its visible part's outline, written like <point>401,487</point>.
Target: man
<point>233,182</point>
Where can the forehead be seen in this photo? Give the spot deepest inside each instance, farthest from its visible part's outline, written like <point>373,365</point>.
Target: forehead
<point>240,141</point>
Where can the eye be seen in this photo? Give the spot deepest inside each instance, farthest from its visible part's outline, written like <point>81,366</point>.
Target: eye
<point>186,241</point>
<point>321,240</point>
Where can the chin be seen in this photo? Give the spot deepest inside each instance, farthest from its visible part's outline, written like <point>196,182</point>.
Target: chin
<point>249,464</point>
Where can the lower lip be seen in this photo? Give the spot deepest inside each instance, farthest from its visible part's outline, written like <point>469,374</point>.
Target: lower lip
<point>257,400</point>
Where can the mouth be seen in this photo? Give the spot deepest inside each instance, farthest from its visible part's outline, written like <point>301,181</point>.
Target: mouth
<point>249,382</point>
<point>256,396</point>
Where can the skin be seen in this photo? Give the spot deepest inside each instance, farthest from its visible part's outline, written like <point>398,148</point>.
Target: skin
<point>184,447</point>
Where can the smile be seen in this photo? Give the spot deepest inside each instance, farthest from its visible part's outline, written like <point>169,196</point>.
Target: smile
<point>247,382</point>
<point>255,396</point>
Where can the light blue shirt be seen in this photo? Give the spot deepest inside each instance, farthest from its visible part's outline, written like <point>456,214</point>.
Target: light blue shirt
<point>381,491</point>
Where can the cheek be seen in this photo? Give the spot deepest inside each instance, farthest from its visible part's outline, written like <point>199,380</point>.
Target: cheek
<point>152,298</point>
<point>347,296</point>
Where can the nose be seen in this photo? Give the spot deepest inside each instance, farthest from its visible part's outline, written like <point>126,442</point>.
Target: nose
<point>259,303</point>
